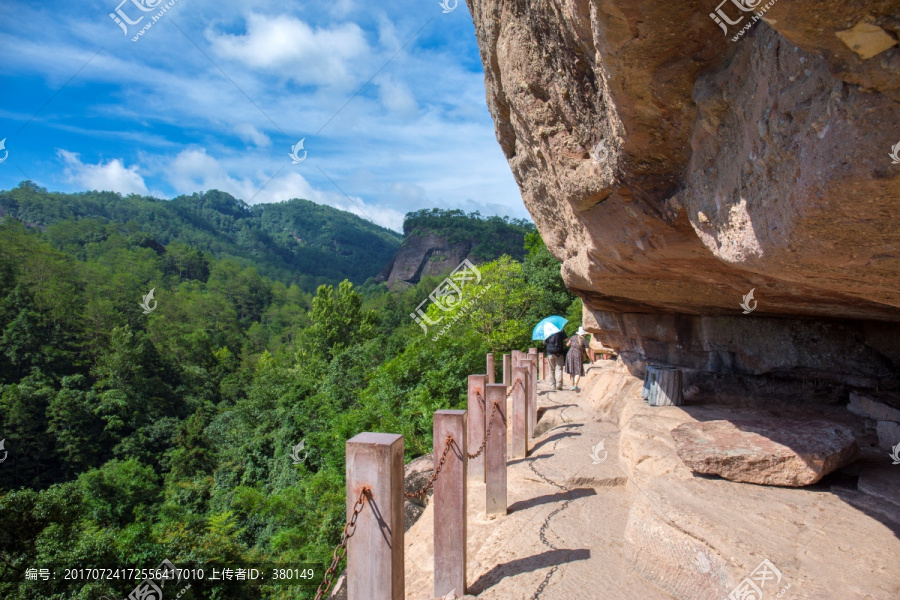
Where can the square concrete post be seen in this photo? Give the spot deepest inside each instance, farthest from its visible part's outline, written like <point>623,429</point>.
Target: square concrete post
<point>506,369</point>
<point>519,446</point>
<point>530,361</point>
<point>525,364</point>
<point>476,424</point>
<point>542,370</point>
<point>491,371</point>
<point>450,525</point>
<point>495,452</point>
<point>532,392</point>
<point>375,569</point>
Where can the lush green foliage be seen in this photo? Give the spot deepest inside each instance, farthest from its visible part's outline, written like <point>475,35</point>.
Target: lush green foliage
<point>137,437</point>
<point>491,237</point>
<point>296,241</point>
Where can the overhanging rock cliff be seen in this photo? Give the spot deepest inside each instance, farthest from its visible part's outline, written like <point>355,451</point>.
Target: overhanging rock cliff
<point>673,167</point>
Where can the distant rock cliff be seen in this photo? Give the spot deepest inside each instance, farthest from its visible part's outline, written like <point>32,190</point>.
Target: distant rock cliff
<point>674,168</point>
<point>437,241</point>
<point>423,255</point>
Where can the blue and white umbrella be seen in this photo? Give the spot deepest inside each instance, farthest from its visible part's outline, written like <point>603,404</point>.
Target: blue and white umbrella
<point>548,327</point>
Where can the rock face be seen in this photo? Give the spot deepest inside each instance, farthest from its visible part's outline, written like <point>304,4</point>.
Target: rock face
<point>423,255</point>
<point>674,167</point>
<point>766,451</point>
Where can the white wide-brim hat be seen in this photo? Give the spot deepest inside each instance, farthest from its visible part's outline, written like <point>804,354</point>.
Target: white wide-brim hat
<point>581,331</point>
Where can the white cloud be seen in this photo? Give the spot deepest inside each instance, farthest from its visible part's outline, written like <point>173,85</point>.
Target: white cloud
<point>304,54</point>
<point>396,97</point>
<point>249,133</point>
<point>112,176</point>
<point>194,170</point>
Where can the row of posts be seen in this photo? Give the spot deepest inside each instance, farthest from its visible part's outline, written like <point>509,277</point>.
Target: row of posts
<point>375,469</point>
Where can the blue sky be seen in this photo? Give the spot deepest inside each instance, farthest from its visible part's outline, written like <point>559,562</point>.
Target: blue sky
<point>214,94</point>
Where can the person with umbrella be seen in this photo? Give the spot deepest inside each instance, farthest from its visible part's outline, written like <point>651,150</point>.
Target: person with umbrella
<point>551,331</point>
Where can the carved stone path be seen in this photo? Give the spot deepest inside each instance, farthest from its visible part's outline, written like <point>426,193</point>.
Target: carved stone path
<point>647,528</point>
<point>563,538</point>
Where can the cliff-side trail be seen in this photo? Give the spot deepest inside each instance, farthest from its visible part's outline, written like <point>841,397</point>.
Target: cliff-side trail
<point>603,508</point>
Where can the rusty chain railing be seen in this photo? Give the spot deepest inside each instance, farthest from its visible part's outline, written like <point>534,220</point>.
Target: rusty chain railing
<point>436,473</point>
<point>488,433</point>
<point>350,526</point>
<point>341,549</point>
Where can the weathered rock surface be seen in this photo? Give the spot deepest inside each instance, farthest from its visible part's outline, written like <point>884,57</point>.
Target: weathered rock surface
<point>673,170</point>
<point>423,255</point>
<point>767,451</point>
<point>881,407</point>
<point>888,434</point>
<point>882,483</point>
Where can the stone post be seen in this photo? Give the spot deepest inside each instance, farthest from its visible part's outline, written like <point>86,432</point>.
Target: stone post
<point>450,525</point>
<point>495,452</point>
<point>529,361</point>
<point>524,363</point>
<point>375,569</point>
<point>532,390</point>
<point>542,367</point>
<point>476,424</point>
<point>506,369</point>
<point>491,371</point>
<point>519,446</point>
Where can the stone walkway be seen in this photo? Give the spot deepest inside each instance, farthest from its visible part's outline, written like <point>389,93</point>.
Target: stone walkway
<point>584,526</point>
<point>562,538</point>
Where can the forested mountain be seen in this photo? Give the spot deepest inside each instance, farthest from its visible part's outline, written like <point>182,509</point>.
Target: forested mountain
<point>297,241</point>
<point>490,237</point>
<point>139,429</point>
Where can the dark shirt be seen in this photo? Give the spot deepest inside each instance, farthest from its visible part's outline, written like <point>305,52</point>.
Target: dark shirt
<point>557,340</point>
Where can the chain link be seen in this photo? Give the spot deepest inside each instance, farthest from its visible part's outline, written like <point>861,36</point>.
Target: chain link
<point>434,475</point>
<point>512,388</point>
<point>487,434</point>
<point>350,526</point>
<point>341,549</point>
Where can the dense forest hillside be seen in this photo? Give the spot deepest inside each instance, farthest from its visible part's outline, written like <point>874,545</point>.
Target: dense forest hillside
<point>297,241</point>
<point>436,241</point>
<point>141,429</point>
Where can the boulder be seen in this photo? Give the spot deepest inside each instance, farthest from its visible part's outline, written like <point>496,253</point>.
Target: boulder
<point>882,484</point>
<point>888,434</point>
<point>881,407</point>
<point>767,451</point>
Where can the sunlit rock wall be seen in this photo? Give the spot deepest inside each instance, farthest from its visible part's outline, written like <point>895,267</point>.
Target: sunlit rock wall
<point>673,168</point>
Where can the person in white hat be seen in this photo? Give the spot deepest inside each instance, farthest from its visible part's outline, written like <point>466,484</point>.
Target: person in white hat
<point>578,345</point>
